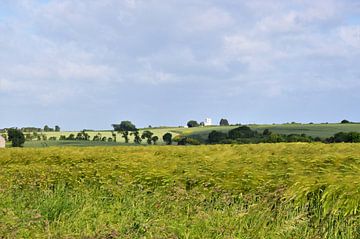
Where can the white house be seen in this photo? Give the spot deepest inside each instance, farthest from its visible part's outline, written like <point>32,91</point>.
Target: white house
<point>2,142</point>
<point>207,122</point>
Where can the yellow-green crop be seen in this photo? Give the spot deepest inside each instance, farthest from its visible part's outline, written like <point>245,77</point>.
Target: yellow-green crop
<point>225,191</point>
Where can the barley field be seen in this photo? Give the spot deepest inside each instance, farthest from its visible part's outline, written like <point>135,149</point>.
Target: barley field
<point>222,191</point>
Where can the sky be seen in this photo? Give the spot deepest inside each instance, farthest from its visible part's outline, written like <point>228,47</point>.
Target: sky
<point>86,64</point>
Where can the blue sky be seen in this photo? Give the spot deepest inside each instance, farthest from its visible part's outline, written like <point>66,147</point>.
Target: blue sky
<point>88,64</point>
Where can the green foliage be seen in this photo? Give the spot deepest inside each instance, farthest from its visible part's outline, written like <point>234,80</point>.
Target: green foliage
<point>147,135</point>
<point>343,137</point>
<point>216,137</point>
<point>241,132</point>
<point>137,138</point>
<point>192,123</point>
<point>16,137</point>
<point>167,138</point>
<point>124,126</point>
<point>57,128</point>
<point>224,122</point>
<point>82,136</point>
<point>154,139</point>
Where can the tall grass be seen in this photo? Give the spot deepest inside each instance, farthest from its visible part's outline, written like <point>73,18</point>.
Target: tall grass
<point>241,191</point>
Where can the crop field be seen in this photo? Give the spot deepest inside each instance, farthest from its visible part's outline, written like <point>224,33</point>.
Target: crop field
<point>314,130</point>
<point>222,191</point>
<point>201,133</point>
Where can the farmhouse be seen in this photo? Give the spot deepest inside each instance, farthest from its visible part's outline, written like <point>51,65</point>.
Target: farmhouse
<point>2,142</point>
<point>208,122</point>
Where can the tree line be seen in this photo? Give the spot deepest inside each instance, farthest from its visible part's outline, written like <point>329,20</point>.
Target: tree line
<point>244,135</point>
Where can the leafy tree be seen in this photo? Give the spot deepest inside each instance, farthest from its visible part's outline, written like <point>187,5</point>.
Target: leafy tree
<point>71,137</point>
<point>137,138</point>
<point>16,137</point>
<point>345,121</point>
<point>147,135</point>
<point>350,137</point>
<point>114,136</point>
<point>125,135</point>
<point>224,122</point>
<point>192,123</point>
<point>57,128</point>
<point>83,136</point>
<point>155,139</point>
<point>216,137</point>
<point>124,127</point>
<point>167,138</point>
<point>46,128</point>
<point>266,132</point>
<point>241,132</point>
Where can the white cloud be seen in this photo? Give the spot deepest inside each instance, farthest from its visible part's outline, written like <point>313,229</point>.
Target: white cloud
<point>209,20</point>
<point>350,35</point>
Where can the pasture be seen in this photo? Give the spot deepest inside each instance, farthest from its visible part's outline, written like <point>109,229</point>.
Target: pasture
<point>223,191</point>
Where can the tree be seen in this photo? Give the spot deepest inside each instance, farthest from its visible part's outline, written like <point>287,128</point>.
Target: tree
<point>57,128</point>
<point>216,137</point>
<point>113,135</point>
<point>16,137</point>
<point>224,122</point>
<point>125,135</point>
<point>155,139</point>
<point>192,123</point>
<point>266,132</point>
<point>241,132</point>
<point>83,136</point>
<point>147,135</point>
<point>46,128</point>
<point>124,127</point>
<point>71,137</point>
<point>137,138</point>
<point>167,138</point>
<point>345,121</point>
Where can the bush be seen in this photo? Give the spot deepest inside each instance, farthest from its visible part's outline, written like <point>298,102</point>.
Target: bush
<point>241,132</point>
<point>224,122</point>
<point>167,138</point>
<point>16,137</point>
<point>192,123</point>
<point>216,137</point>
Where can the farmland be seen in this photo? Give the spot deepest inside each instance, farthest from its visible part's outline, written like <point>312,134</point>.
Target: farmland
<point>315,130</point>
<point>224,191</point>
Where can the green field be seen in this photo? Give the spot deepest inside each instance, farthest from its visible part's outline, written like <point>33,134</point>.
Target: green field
<point>314,130</point>
<point>225,191</point>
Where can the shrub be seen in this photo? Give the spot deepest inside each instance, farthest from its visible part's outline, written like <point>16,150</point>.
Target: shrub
<point>16,137</point>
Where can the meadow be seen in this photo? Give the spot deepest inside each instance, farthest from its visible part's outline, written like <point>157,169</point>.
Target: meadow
<point>221,191</point>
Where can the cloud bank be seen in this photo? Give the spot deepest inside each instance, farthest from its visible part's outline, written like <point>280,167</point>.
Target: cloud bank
<point>87,64</point>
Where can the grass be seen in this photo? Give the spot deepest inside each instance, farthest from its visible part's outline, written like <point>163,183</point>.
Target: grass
<point>314,130</point>
<point>201,133</point>
<point>225,191</point>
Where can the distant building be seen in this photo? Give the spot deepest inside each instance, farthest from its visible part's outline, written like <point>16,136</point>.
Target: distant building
<point>2,142</point>
<point>207,122</point>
